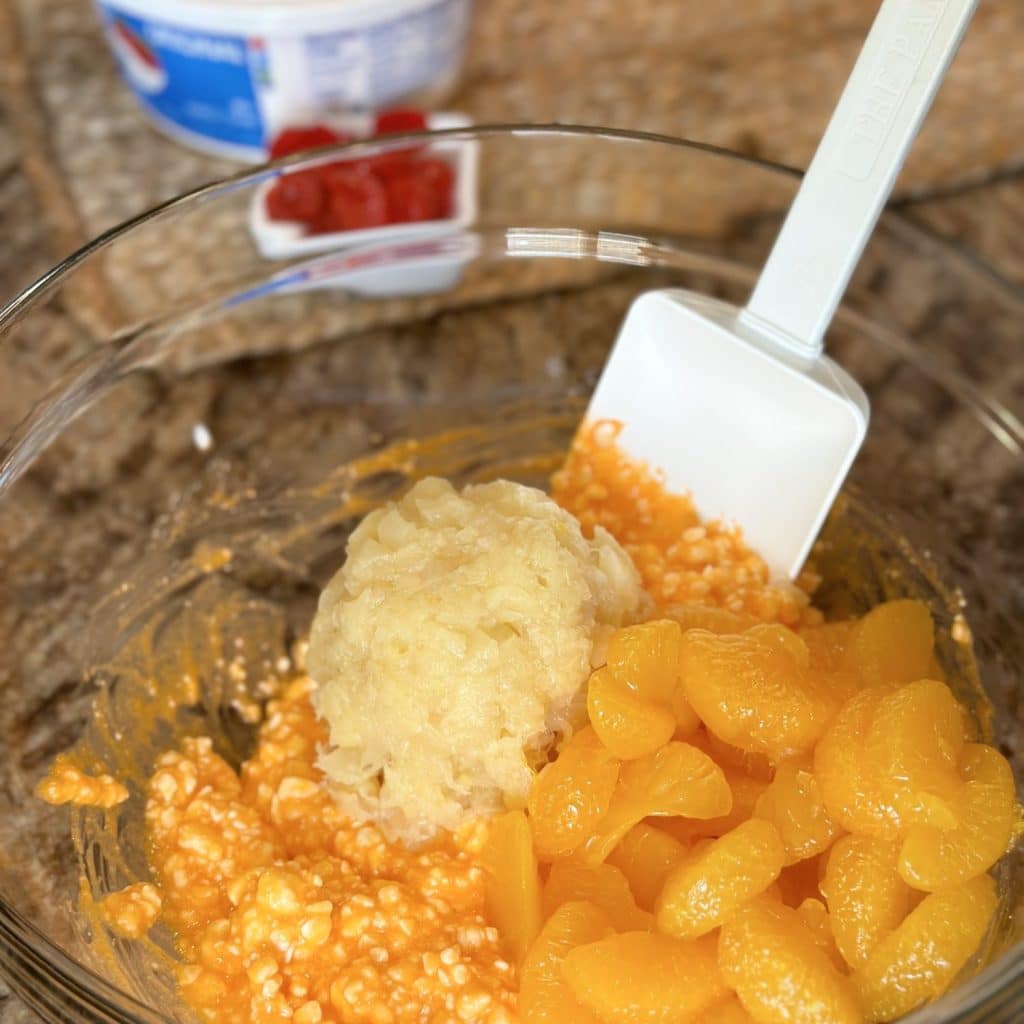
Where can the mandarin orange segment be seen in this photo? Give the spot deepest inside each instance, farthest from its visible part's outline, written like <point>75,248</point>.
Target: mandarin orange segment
<point>888,759</point>
<point>706,888</point>
<point>644,978</point>
<point>544,997</point>
<point>570,796</point>
<point>512,888</point>
<point>794,805</point>
<point>814,914</point>
<point>866,897</point>
<point>627,724</point>
<point>893,643</point>
<point>829,645</point>
<point>755,690</point>
<point>913,745</point>
<point>918,961</point>
<point>732,759</point>
<point>677,780</point>
<point>645,856</point>
<point>745,794</point>
<point>932,858</point>
<point>603,885</point>
<point>729,1011</point>
<point>646,659</point>
<point>850,790</point>
<point>781,975</point>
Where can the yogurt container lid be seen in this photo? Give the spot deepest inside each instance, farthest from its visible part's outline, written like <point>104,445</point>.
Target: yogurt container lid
<point>272,17</point>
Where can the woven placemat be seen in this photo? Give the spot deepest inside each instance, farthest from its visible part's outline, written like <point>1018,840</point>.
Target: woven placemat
<point>759,76</point>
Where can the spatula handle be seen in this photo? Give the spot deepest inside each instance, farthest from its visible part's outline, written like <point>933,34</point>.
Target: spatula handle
<point>897,74</point>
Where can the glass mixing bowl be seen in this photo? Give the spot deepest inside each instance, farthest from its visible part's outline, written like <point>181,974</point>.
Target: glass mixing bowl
<point>194,429</point>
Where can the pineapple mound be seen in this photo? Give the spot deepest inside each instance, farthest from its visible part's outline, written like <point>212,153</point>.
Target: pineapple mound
<point>452,649</point>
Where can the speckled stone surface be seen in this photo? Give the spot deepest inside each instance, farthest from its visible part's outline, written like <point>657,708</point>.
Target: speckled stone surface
<point>760,76</point>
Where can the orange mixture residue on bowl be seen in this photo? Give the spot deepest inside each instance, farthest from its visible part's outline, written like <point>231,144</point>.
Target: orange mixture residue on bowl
<point>66,783</point>
<point>131,912</point>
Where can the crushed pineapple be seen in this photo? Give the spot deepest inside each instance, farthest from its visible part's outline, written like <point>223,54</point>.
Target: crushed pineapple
<point>451,646</point>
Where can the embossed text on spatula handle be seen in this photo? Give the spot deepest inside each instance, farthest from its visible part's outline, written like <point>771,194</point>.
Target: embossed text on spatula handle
<point>897,74</point>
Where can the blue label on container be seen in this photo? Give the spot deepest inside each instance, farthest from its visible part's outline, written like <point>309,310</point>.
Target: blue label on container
<point>201,82</point>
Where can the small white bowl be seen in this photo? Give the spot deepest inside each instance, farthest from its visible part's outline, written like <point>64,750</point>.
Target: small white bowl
<point>281,239</point>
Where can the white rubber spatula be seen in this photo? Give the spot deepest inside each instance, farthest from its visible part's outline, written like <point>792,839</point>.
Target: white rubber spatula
<point>739,406</point>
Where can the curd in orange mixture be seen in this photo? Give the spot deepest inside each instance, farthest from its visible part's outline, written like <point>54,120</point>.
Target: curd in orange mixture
<point>284,911</point>
<point>766,819</point>
<point>682,561</point>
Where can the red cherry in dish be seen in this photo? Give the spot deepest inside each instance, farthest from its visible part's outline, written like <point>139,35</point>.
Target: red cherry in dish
<point>297,196</point>
<point>298,140</point>
<point>398,120</point>
<point>356,198</point>
<point>422,191</point>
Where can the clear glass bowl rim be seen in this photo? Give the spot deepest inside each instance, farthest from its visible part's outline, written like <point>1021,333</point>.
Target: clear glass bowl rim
<point>997,986</point>
<point>37,290</point>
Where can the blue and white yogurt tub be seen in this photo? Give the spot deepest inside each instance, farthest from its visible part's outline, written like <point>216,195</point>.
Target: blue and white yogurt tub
<point>225,76</point>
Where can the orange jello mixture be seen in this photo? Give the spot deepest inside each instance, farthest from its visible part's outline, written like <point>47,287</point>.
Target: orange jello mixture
<point>283,910</point>
<point>681,560</point>
<point>768,818</point>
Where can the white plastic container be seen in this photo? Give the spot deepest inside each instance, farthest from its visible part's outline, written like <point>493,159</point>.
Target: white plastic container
<point>225,76</point>
<point>400,269</point>
<point>286,239</point>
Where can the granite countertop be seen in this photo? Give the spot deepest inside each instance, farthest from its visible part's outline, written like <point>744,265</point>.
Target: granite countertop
<point>758,76</point>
